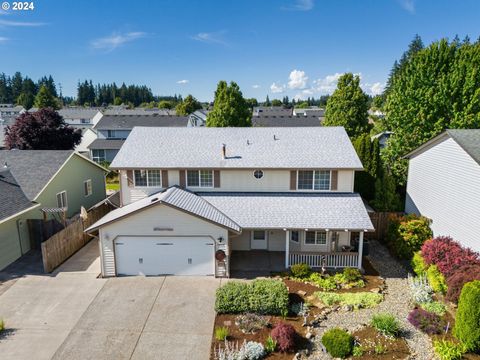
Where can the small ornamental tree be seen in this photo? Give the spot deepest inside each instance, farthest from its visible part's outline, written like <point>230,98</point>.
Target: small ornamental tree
<point>463,275</point>
<point>285,335</point>
<point>467,321</point>
<point>42,130</point>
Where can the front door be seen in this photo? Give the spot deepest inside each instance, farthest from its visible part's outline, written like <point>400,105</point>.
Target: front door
<point>258,240</point>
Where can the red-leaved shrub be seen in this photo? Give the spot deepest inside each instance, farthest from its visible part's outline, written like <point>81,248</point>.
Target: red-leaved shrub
<point>426,321</point>
<point>462,276</point>
<point>448,255</point>
<point>285,335</point>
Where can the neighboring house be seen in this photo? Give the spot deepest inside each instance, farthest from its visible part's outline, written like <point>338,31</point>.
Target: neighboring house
<point>377,113</point>
<point>112,130</point>
<point>444,185</point>
<point>31,180</point>
<point>383,138</point>
<point>195,198</point>
<point>4,122</point>
<point>79,117</point>
<point>198,118</point>
<point>10,110</point>
<point>88,136</point>
<point>313,111</point>
<point>271,111</point>
<point>285,121</point>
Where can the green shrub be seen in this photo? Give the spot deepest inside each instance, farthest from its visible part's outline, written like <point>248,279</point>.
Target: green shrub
<point>232,298</point>
<point>338,342</point>
<point>263,296</point>
<point>221,333</point>
<point>467,321</point>
<point>325,283</point>
<point>2,325</point>
<point>357,300</point>
<point>300,270</point>
<point>448,350</point>
<point>436,280</point>
<point>418,264</point>
<point>406,234</point>
<point>434,307</point>
<point>270,345</point>
<point>358,351</point>
<point>380,349</point>
<point>387,324</point>
<point>351,274</point>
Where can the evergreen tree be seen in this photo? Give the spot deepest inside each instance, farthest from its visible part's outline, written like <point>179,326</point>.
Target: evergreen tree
<point>369,153</point>
<point>386,196</point>
<point>229,107</point>
<point>17,85</point>
<point>267,101</point>
<point>26,100</point>
<point>348,106</point>
<point>188,106</point>
<point>45,99</point>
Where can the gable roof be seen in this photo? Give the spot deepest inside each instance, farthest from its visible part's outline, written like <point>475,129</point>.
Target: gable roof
<point>248,148</point>
<point>107,144</point>
<point>12,198</point>
<point>177,198</point>
<point>128,122</point>
<point>467,139</point>
<point>285,121</point>
<point>78,113</point>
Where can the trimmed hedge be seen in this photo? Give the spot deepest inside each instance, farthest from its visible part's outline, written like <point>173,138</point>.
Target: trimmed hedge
<point>467,321</point>
<point>338,342</point>
<point>301,271</point>
<point>262,296</point>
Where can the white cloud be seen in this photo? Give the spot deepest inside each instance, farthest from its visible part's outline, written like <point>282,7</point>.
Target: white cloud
<point>9,23</point>
<point>110,43</point>
<point>408,5</point>
<point>326,85</point>
<point>3,39</point>
<point>298,80</point>
<point>277,88</point>
<point>300,5</point>
<point>256,86</point>
<point>183,81</point>
<point>373,89</point>
<point>211,37</point>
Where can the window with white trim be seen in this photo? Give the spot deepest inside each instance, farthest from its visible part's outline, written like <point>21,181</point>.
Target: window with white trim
<point>313,180</point>
<point>62,199</point>
<point>98,155</point>
<point>295,236</point>
<point>87,187</point>
<point>200,178</point>
<point>315,238</point>
<point>259,235</point>
<point>147,178</point>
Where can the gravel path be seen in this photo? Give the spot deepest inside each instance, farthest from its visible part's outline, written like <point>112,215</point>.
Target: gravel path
<point>397,302</point>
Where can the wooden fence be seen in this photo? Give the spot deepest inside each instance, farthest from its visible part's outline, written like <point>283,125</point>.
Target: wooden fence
<point>380,223</point>
<point>69,240</point>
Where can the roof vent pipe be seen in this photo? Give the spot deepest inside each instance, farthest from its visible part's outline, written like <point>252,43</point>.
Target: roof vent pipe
<point>224,151</point>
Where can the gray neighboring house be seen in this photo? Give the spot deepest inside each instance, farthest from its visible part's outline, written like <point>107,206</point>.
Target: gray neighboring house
<point>285,121</point>
<point>112,130</point>
<point>383,138</point>
<point>444,185</point>
<point>313,111</point>
<point>79,117</point>
<point>10,110</point>
<point>198,118</point>
<point>4,122</point>
<point>271,111</point>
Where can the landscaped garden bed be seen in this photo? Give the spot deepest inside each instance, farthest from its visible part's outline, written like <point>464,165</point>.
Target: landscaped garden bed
<point>373,345</point>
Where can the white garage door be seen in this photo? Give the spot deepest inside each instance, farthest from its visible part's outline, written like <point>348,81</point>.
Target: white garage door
<point>164,255</point>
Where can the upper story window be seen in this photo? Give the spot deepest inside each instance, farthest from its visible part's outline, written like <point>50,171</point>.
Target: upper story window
<point>315,238</point>
<point>147,178</point>
<point>258,174</point>
<point>313,180</point>
<point>117,134</point>
<point>295,236</point>
<point>62,199</point>
<point>85,121</point>
<point>98,155</point>
<point>200,178</point>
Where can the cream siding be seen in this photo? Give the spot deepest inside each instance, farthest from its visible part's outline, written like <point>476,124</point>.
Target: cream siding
<point>444,185</point>
<point>143,224</point>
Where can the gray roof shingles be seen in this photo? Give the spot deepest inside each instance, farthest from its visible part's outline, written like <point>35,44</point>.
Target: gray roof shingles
<point>12,198</point>
<point>285,121</point>
<point>33,169</point>
<point>469,140</point>
<point>114,144</point>
<point>248,148</point>
<point>127,122</point>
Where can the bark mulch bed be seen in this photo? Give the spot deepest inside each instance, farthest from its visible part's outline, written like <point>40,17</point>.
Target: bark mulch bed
<point>369,338</point>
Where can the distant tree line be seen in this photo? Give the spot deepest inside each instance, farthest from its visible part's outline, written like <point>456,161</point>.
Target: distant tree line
<point>290,103</point>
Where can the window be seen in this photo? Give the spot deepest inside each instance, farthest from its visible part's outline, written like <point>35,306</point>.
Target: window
<point>258,174</point>
<point>87,187</point>
<point>62,199</point>
<point>313,180</point>
<point>111,134</point>
<point>295,236</point>
<point>315,238</point>
<point>200,178</point>
<point>258,235</point>
<point>85,121</point>
<point>98,155</point>
<point>147,178</point>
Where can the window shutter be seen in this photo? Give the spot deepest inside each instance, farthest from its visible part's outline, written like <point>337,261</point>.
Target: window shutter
<point>216,178</point>
<point>165,178</point>
<point>130,178</point>
<point>334,183</point>
<point>182,178</point>
<point>293,180</point>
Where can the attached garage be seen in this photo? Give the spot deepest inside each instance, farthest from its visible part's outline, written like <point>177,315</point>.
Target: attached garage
<point>174,232</point>
<point>164,255</point>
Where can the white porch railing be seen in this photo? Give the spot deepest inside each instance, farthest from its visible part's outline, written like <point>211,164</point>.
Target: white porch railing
<point>329,260</point>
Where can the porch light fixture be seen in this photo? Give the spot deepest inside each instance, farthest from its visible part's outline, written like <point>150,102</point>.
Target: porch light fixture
<point>365,230</point>
<point>346,230</point>
<point>327,230</point>
<point>306,229</point>
<point>284,229</point>
<point>220,239</point>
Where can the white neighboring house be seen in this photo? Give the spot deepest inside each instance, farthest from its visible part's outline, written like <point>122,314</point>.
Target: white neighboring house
<point>198,118</point>
<point>88,136</point>
<point>195,200</point>
<point>79,117</point>
<point>444,185</point>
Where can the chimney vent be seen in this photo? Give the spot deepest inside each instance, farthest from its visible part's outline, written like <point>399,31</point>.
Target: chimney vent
<point>275,137</point>
<point>5,166</point>
<point>224,151</point>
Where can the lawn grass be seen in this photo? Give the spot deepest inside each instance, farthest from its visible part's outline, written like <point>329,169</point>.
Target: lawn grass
<point>113,186</point>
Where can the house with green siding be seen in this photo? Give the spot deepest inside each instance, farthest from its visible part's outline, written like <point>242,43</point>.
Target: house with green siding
<point>32,180</point>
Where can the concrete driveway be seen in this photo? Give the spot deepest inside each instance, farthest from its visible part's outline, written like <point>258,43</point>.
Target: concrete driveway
<point>74,315</point>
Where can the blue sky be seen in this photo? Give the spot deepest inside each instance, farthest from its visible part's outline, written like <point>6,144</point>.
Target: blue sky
<point>276,47</point>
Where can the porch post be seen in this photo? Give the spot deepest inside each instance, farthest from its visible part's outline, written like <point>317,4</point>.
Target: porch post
<point>360,250</point>
<point>287,247</point>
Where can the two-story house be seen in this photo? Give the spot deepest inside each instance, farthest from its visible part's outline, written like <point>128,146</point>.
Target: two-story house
<point>79,117</point>
<point>195,200</point>
<point>112,130</point>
